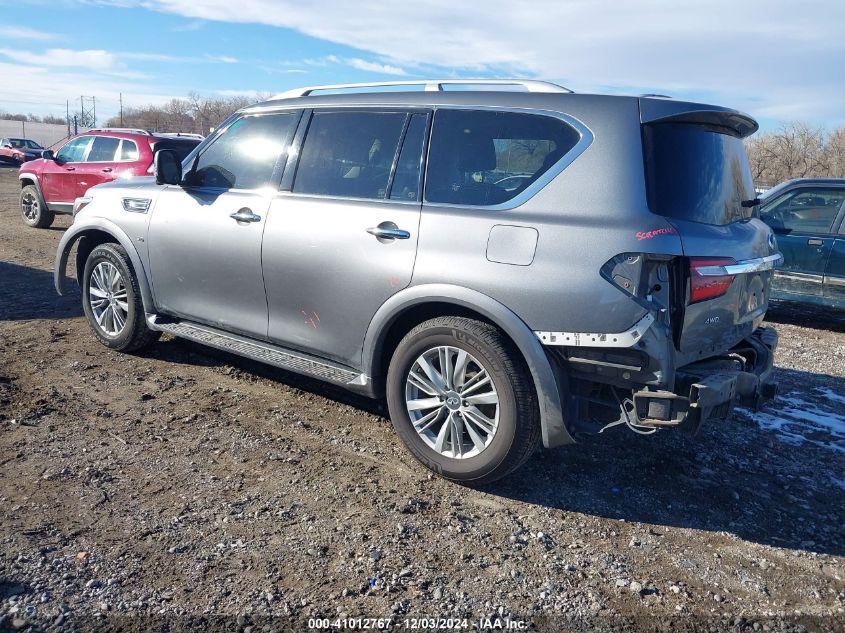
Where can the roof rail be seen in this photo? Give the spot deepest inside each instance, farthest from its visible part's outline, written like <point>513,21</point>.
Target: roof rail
<point>190,135</point>
<point>128,130</point>
<point>431,85</point>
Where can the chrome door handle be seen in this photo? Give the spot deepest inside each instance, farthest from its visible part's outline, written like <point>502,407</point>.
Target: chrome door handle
<point>107,169</point>
<point>245,215</point>
<point>814,242</point>
<point>385,233</point>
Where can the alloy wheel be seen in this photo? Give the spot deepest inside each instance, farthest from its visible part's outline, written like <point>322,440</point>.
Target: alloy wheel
<point>452,402</point>
<point>29,207</point>
<point>108,298</point>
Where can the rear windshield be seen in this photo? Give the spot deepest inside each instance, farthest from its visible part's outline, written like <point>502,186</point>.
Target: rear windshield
<point>182,147</point>
<point>695,173</point>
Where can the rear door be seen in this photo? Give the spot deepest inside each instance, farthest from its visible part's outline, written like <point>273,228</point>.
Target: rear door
<point>803,218</point>
<point>698,178</point>
<point>342,239</point>
<point>99,166</point>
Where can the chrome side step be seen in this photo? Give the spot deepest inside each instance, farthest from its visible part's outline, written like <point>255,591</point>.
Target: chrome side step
<point>267,353</point>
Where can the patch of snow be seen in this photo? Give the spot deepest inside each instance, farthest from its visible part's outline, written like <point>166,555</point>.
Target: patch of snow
<point>802,421</point>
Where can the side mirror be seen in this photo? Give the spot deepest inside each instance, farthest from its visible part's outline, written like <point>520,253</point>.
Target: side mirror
<point>168,167</point>
<point>47,154</point>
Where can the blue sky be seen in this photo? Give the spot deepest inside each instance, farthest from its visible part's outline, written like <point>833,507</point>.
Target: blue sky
<point>777,60</point>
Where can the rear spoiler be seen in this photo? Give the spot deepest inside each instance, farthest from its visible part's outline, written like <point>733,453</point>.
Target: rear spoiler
<point>719,119</point>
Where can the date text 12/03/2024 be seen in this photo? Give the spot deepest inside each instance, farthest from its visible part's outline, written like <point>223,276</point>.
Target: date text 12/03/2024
<point>421,624</point>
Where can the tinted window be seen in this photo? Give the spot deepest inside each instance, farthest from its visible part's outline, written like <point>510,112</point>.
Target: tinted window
<point>485,158</point>
<point>349,154</point>
<point>695,173</point>
<point>73,151</point>
<point>803,210</point>
<point>406,181</point>
<point>181,147</point>
<point>129,150</point>
<point>103,149</point>
<point>245,154</point>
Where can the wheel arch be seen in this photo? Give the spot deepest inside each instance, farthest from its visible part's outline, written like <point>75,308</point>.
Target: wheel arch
<point>406,309</point>
<point>26,179</point>
<point>90,235</point>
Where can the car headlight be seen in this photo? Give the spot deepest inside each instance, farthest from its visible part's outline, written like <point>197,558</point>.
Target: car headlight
<point>81,203</point>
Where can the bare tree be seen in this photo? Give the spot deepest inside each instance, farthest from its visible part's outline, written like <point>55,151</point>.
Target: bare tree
<point>796,150</point>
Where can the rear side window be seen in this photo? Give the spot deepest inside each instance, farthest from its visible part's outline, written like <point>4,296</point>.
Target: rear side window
<point>803,210</point>
<point>73,151</point>
<point>349,154</point>
<point>103,150</point>
<point>244,156</point>
<point>696,173</point>
<point>406,181</point>
<point>128,150</point>
<point>484,158</point>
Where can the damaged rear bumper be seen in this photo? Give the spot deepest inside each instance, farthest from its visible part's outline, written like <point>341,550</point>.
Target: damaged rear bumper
<point>709,389</point>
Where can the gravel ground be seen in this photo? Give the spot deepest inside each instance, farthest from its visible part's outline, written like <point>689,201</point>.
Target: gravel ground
<point>185,488</point>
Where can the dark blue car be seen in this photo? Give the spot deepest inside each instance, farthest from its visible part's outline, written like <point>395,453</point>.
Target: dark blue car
<point>807,218</point>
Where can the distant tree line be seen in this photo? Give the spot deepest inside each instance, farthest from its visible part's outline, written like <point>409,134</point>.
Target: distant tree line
<point>32,118</point>
<point>196,113</point>
<point>796,150</point>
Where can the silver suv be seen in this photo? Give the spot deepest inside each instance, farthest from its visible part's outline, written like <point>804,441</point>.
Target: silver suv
<point>504,267</point>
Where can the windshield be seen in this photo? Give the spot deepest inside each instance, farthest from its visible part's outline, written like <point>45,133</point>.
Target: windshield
<point>696,173</point>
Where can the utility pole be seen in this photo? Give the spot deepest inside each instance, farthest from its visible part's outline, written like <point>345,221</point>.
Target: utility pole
<point>121,109</point>
<point>67,115</point>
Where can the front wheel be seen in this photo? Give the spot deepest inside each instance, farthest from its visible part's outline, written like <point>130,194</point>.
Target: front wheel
<point>461,398</point>
<point>33,212</point>
<point>111,300</point>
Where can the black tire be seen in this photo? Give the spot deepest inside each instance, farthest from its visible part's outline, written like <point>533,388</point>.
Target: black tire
<point>134,335</point>
<point>34,211</point>
<point>517,435</point>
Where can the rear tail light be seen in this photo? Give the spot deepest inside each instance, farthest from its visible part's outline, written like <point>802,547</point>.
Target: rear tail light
<point>708,277</point>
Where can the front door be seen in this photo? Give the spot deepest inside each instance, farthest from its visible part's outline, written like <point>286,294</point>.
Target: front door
<point>205,236</point>
<point>59,178</point>
<point>802,220</point>
<point>343,239</point>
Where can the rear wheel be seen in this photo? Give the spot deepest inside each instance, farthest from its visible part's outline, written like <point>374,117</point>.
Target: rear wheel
<point>33,212</point>
<point>462,400</point>
<point>111,300</point>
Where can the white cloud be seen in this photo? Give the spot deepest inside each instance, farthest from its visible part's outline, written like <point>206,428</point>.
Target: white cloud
<point>373,67</point>
<point>10,31</point>
<point>92,59</point>
<point>760,55</point>
<point>46,88</point>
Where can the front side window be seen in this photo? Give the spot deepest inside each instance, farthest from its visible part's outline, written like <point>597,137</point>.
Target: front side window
<point>74,151</point>
<point>803,210</point>
<point>103,149</point>
<point>482,158</point>
<point>349,154</point>
<point>244,156</point>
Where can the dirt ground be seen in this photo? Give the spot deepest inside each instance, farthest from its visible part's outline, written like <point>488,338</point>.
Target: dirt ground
<point>186,488</point>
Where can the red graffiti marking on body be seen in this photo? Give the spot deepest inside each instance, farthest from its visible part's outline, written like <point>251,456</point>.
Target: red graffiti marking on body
<point>649,234</point>
<point>312,319</point>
